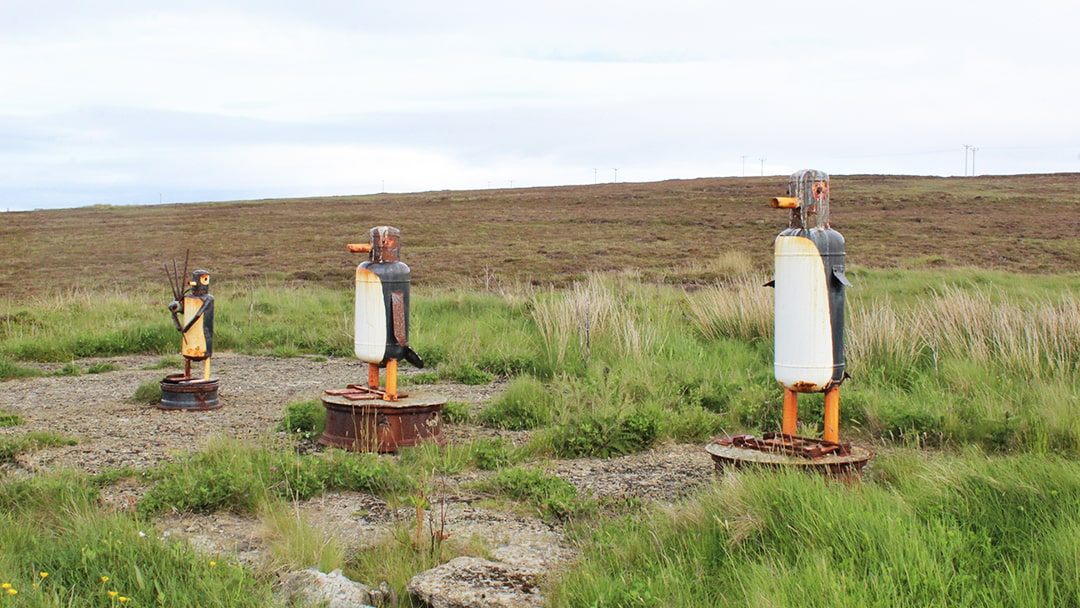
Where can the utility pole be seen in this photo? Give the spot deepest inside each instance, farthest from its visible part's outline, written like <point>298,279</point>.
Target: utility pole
<point>763,166</point>
<point>966,148</point>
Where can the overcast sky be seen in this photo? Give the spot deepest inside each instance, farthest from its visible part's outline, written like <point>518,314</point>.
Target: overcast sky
<point>137,101</point>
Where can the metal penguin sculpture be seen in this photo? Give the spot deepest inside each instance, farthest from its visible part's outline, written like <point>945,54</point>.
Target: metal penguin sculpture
<point>809,300</point>
<point>197,328</point>
<point>382,307</point>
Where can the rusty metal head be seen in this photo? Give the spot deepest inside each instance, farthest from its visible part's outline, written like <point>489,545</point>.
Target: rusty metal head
<point>810,188</point>
<point>385,244</point>
<point>200,282</point>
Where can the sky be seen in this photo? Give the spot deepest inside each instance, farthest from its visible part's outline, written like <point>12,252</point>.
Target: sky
<point>123,102</point>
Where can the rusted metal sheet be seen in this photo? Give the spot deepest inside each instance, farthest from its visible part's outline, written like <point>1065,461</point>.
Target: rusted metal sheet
<point>803,447</point>
<point>778,451</point>
<point>381,426</point>
<point>357,392</point>
<point>397,305</point>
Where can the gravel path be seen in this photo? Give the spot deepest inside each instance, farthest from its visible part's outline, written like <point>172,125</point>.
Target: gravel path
<point>112,431</point>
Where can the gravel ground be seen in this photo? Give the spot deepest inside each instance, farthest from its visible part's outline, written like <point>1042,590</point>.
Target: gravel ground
<point>112,431</point>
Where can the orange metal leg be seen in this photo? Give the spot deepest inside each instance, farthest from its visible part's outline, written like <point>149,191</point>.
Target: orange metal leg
<point>373,376</point>
<point>206,369</point>
<point>832,414</point>
<point>391,380</point>
<point>791,412</point>
<point>187,368</point>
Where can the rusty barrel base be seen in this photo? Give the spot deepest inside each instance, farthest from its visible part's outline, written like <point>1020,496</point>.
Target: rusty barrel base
<point>731,456</point>
<point>178,393</point>
<point>382,426</point>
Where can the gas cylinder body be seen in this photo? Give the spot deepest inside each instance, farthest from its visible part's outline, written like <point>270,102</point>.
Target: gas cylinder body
<point>382,301</point>
<point>197,327</point>
<point>809,300</point>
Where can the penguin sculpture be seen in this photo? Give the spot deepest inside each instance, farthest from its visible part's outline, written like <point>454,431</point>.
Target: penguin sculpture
<point>197,329</point>
<point>382,309</point>
<point>809,301</point>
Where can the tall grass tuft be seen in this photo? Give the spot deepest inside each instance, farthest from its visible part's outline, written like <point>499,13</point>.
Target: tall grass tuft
<point>294,543</point>
<point>740,309</point>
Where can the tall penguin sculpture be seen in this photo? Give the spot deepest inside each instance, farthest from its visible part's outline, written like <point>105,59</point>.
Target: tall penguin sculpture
<point>809,301</point>
<point>366,417</point>
<point>381,317</point>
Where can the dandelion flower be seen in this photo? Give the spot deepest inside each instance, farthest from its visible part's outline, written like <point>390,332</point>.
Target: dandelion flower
<point>12,591</point>
<point>104,579</point>
<point>44,574</point>
<point>122,599</point>
<point>5,586</point>
<point>114,593</point>
<point>213,564</point>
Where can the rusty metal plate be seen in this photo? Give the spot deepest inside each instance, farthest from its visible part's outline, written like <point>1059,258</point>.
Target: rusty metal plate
<point>381,426</point>
<point>725,453</point>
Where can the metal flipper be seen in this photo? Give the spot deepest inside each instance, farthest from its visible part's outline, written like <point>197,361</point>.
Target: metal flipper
<point>412,357</point>
<point>838,272</point>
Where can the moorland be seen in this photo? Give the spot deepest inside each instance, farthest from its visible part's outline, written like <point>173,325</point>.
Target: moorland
<point>613,319</point>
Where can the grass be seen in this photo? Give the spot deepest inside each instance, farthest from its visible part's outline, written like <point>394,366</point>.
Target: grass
<point>12,446</point>
<point>944,530</point>
<point>57,548</point>
<point>148,392</point>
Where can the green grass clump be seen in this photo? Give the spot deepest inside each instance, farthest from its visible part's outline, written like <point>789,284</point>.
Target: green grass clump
<point>10,370</point>
<point>10,419</point>
<point>492,454</point>
<point>13,445</point>
<point>69,369</point>
<point>148,392</point>
<point>525,405</point>
<point>232,477</point>
<point>552,497</point>
<point>102,367</point>
<point>467,373</point>
<point>604,436</point>
<point>304,417</point>
<point>456,412</point>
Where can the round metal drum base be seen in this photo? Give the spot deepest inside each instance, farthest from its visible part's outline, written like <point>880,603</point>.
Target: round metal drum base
<point>382,426</point>
<point>831,464</point>
<point>180,393</point>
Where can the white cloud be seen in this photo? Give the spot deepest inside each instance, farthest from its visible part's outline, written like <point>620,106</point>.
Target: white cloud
<point>243,98</point>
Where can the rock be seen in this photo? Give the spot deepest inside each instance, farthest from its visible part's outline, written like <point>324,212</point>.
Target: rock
<point>314,588</point>
<point>472,582</point>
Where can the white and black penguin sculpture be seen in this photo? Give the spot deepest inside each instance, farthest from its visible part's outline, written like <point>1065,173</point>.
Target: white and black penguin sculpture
<point>382,301</point>
<point>809,300</point>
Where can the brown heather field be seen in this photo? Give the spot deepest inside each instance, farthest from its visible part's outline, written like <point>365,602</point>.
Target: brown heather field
<point>669,231</point>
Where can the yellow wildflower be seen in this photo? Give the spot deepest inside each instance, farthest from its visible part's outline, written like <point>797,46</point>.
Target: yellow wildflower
<point>213,564</point>
<point>12,591</point>
<point>44,574</point>
<point>104,579</point>
<point>113,593</point>
<point>5,586</point>
<point>123,599</point>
